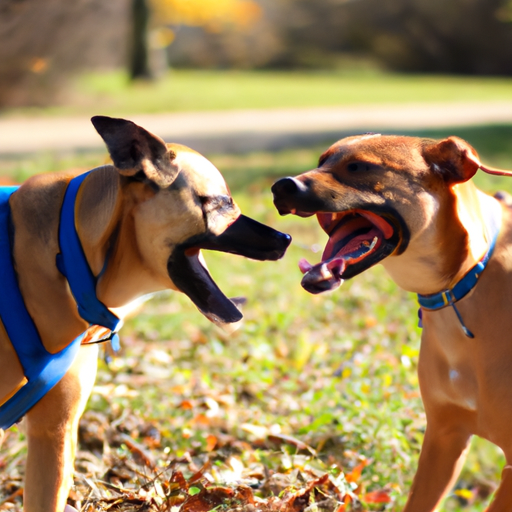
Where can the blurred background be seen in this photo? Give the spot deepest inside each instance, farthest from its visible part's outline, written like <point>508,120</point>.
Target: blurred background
<point>45,44</point>
<point>261,87</point>
<point>355,65</point>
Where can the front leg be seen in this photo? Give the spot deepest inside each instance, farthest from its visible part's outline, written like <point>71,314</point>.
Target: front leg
<point>442,455</point>
<point>502,500</point>
<point>52,426</point>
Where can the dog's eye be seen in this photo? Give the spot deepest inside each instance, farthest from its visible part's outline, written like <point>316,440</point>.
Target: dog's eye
<point>358,166</point>
<point>213,203</point>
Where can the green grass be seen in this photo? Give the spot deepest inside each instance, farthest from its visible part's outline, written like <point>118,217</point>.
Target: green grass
<point>493,143</point>
<point>337,371</point>
<point>187,90</point>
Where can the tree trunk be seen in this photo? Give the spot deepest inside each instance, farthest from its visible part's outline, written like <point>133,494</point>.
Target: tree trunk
<point>139,58</point>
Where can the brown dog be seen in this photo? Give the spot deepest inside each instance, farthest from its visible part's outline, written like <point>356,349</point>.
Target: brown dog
<point>408,203</point>
<point>140,226</point>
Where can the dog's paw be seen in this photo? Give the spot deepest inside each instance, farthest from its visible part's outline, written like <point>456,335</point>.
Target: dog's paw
<point>69,508</point>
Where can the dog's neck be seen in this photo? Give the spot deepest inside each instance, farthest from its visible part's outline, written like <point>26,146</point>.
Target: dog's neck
<point>474,208</point>
<point>454,242</point>
<point>106,234</point>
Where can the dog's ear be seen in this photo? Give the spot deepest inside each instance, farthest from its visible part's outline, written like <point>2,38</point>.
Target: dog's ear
<point>453,157</point>
<point>134,149</point>
<point>457,160</point>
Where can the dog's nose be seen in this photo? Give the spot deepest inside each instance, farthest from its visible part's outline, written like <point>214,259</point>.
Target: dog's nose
<point>287,186</point>
<point>286,192</point>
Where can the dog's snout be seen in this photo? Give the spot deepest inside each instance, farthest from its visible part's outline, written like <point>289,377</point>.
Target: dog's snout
<point>286,191</point>
<point>287,186</point>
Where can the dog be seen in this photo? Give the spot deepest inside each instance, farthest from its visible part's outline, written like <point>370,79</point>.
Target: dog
<point>409,204</point>
<point>77,252</point>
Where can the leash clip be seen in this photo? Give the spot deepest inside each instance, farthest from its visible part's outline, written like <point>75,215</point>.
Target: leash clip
<point>450,301</point>
<point>113,337</point>
<point>115,345</point>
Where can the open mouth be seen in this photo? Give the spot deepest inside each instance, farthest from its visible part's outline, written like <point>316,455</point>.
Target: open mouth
<point>245,237</point>
<point>358,239</point>
<point>189,274</point>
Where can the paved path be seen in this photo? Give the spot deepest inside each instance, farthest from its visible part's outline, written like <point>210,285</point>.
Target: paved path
<point>237,131</point>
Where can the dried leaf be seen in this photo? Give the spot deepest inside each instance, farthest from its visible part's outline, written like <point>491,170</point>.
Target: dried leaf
<point>281,438</point>
<point>211,442</point>
<point>355,474</point>
<point>380,496</point>
<point>140,454</point>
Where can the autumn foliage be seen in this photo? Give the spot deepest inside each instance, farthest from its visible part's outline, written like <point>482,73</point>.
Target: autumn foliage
<point>212,14</point>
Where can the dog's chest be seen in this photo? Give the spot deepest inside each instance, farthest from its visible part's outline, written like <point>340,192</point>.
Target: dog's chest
<point>446,366</point>
<point>463,377</point>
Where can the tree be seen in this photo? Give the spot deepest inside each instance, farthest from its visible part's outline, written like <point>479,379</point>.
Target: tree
<point>455,36</point>
<point>139,62</point>
<point>213,15</point>
<point>43,43</point>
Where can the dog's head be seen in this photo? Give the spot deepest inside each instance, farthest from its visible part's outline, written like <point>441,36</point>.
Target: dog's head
<point>180,205</point>
<point>372,195</point>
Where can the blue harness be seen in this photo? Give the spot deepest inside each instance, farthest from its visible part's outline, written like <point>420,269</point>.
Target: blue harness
<point>42,369</point>
<point>450,296</point>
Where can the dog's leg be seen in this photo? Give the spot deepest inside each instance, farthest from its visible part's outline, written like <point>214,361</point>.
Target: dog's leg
<point>502,501</point>
<point>52,426</point>
<point>442,455</point>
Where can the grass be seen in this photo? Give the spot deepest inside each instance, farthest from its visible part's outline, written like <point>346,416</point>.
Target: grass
<point>336,371</point>
<point>191,90</point>
<point>492,142</point>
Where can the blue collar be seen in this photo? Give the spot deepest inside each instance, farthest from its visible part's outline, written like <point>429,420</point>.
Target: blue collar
<point>450,296</point>
<point>73,264</point>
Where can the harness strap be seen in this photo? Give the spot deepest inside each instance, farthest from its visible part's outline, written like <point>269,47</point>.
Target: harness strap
<point>72,263</point>
<point>452,295</point>
<point>41,368</point>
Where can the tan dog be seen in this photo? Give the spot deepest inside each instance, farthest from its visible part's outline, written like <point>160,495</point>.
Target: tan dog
<point>141,224</point>
<point>408,203</point>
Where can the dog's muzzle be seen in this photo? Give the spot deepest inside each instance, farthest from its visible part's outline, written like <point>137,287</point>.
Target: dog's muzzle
<point>360,232</point>
<point>245,237</point>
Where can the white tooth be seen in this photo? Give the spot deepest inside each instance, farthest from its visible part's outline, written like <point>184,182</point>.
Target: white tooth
<point>374,243</point>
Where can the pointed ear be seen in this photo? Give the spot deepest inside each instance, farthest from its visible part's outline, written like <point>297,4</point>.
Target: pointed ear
<point>134,149</point>
<point>453,157</point>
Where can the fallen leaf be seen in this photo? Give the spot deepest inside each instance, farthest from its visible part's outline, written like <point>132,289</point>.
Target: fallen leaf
<point>381,496</point>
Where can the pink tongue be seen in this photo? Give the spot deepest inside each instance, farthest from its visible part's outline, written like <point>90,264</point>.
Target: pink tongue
<point>323,276</point>
<point>326,275</point>
<point>352,246</point>
<point>334,266</point>
<point>304,265</point>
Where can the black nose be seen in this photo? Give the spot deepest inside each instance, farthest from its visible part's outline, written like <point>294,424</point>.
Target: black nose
<point>287,186</point>
<point>286,192</point>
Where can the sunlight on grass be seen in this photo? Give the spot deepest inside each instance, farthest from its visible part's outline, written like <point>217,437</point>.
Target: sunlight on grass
<point>192,90</point>
<point>241,171</point>
<point>214,90</point>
